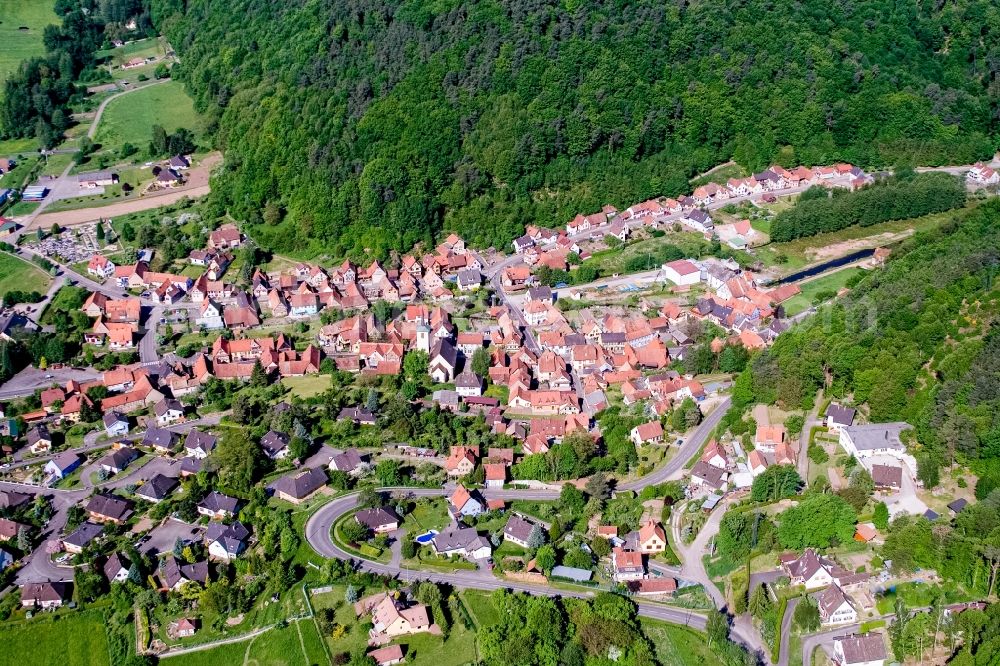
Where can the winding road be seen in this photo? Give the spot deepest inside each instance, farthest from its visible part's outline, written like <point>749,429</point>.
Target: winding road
<point>319,527</point>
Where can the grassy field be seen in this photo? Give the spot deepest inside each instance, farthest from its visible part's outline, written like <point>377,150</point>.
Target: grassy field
<point>615,261</point>
<point>16,273</point>
<point>73,639</point>
<point>677,646</point>
<point>15,147</point>
<point>480,606</point>
<point>140,48</point>
<point>421,649</point>
<point>298,644</point>
<point>307,386</point>
<point>20,44</point>
<point>130,118</point>
<point>825,283</point>
<point>21,208</point>
<point>720,174</point>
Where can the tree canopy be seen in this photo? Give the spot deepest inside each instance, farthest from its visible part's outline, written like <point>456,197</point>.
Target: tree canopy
<point>378,123</point>
<point>818,521</point>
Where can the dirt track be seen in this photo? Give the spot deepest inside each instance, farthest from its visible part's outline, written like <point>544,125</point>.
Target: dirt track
<point>197,186</point>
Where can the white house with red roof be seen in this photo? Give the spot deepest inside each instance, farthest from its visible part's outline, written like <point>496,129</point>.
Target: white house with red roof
<point>100,266</point>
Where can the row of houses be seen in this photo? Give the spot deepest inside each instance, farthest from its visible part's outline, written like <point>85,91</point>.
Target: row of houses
<point>774,178</point>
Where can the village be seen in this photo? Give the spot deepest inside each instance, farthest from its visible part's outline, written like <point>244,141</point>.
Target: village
<point>626,377</point>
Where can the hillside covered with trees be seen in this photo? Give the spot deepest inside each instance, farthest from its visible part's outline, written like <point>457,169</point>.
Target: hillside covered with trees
<point>377,123</point>
<point>918,342</point>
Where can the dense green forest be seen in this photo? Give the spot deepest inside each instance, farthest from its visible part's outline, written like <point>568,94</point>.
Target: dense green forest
<point>899,197</point>
<point>918,341</point>
<point>377,123</point>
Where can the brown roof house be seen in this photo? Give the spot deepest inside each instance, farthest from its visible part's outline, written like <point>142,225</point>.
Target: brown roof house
<point>626,565</point>
<point>392,617</point>
<point>651,432</point>
<point>388,655</point>
<point>50,594</point>
<point>835,607</point>
<point>652,538</point>
<point>378,520</point>
<point>109,509</point>
<point>298,487</point>
<point>860,650</point>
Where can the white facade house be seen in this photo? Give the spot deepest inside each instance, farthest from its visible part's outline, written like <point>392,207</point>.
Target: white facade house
<point>982,174</point>
<point>836,608</point>
<point>681,272</point>
<point>876,439</point>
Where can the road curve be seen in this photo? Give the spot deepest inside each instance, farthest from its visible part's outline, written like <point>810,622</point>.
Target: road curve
<point>320,524</point>
<point>688,449</point>
<point>92,131</point>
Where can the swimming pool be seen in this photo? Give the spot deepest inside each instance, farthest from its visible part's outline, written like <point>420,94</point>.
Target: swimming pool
<point>426,537</point>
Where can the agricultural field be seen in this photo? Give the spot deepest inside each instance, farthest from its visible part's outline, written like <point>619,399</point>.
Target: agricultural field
<point>822,285</point>
<point>21,25</point>
<point>21,275</point>
<point>71,639</point>
<point>130,118</point>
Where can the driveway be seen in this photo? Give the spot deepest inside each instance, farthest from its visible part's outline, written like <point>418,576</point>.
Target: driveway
<point>163,537</point>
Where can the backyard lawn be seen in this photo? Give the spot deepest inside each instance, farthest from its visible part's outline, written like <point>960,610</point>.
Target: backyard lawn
<point>74,638</point>
<point>130,118</point>
<point>824,284</point>
<point>16,273</point>
<point>18,44</point>
<point>427,515</point>
<point>420,649</point>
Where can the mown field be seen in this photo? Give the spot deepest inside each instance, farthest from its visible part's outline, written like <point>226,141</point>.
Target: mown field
<point>130,118</point>
<point>18,274</point>
<point>17,44</point>
<point>297,644</point>
<point>68,639</point>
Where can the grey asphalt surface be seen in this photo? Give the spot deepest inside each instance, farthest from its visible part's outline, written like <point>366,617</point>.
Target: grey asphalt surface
<point>786,630</point>
<point>688,449</point>
<point>31,379</point>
